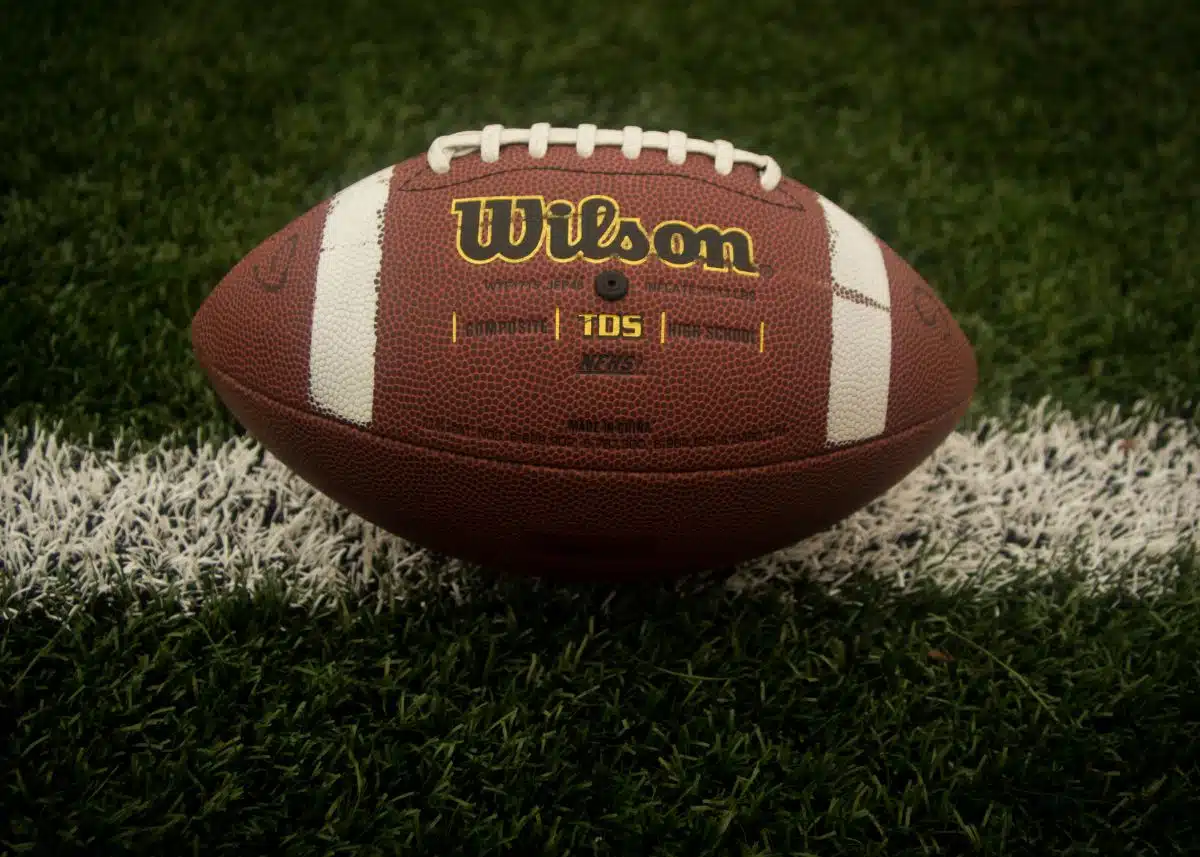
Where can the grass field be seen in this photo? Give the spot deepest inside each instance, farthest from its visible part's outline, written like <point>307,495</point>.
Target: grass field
<point>199,656</point>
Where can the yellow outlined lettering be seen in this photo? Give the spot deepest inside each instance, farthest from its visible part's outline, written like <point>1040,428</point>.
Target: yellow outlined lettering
<point>514,229</point>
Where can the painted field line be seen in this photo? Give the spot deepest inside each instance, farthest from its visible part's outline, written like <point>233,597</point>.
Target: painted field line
<point>1116,493</point>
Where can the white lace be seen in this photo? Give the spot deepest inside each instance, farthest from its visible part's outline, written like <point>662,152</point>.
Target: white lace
<point>586,138</point>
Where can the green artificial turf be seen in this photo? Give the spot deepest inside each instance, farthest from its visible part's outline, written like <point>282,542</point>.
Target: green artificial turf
<point>1036,163</point>
<point>1031,721</point>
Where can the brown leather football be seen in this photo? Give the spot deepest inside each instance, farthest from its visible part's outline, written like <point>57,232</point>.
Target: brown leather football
<point>587,353</point>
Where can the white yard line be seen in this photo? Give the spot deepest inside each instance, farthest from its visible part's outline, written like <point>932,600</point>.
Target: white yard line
<point>1114,494</point>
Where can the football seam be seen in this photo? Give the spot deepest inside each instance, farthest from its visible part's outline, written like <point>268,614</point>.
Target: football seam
<point>831,453</point>
<point>792,204</point>
<point>858,297</point>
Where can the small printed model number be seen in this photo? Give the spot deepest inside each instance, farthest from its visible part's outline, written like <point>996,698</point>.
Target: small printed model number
<point>608,363</point>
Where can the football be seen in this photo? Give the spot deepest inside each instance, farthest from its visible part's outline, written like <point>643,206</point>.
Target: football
<point>587,353</point>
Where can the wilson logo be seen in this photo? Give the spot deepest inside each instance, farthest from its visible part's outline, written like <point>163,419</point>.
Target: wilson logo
<point>517,228</point>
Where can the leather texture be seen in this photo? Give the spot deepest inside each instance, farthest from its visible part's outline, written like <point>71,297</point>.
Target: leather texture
<point>473,407</point>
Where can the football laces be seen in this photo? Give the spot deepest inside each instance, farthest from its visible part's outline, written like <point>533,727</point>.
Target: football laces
<point>631,139</point>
